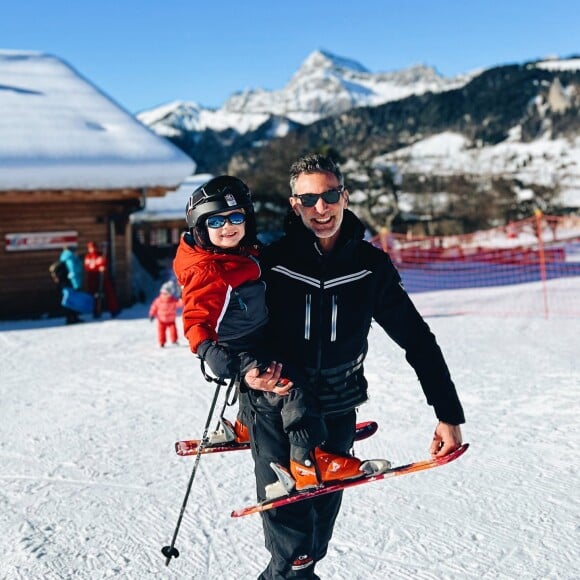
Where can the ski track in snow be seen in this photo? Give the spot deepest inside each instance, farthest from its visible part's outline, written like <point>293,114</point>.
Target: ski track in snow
<point>91,488</point>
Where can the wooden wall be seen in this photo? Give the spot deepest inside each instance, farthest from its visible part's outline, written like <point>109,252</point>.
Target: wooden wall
<point>26,289</point>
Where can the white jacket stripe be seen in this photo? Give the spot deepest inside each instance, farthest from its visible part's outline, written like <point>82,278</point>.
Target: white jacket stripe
<point>347,279</point>
<point>297,276</point>
<point>224,308</point>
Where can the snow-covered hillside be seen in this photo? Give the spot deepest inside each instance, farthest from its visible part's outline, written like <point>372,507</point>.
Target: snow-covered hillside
<point>552,163</point>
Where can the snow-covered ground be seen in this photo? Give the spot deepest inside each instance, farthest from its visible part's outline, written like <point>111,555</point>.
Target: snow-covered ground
<point>91,488</point>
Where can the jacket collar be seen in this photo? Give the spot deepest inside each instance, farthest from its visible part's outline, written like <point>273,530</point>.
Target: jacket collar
<point>351,230</point>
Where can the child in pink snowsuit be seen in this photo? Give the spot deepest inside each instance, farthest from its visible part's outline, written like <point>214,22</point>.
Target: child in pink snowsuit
<point>164,308</point>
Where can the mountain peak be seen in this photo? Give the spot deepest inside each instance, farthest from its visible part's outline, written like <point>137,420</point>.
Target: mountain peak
<point>322,59</point>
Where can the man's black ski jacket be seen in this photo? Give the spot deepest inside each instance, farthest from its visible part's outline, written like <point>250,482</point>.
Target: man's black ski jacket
<point>321,307</point>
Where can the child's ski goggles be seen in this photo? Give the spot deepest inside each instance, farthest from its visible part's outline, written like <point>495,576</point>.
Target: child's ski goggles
<point>219,221</point>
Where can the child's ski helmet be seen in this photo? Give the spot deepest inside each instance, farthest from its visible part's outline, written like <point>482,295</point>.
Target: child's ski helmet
<point>219,194</point>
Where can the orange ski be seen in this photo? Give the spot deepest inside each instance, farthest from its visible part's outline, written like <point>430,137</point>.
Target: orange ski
<point>340,485</point>
<point>189,447</point>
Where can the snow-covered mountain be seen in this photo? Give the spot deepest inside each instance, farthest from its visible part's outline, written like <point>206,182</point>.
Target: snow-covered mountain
<point>324,85</point>
<point>514,127</point>
<point>328,85</point>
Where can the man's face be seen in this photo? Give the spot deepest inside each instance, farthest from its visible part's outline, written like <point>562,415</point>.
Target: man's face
<point>324,219</point>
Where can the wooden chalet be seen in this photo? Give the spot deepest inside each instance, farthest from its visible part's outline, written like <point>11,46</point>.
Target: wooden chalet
<point>74,166</point>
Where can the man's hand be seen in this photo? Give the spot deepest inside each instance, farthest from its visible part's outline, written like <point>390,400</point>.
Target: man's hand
<point>269,380</point>
<point>446,439</point>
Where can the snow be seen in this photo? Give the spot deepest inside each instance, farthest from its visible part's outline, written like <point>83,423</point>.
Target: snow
<point>91,487</point>
<point>564,65</point>
<point>541,162</point>
<point>61,132</point>
<point>189,116</point>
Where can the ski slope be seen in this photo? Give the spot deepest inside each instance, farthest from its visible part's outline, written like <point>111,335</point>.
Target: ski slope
<point>91,488</point>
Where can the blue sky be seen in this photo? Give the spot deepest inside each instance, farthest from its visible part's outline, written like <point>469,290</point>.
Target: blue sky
<point>145,53</point>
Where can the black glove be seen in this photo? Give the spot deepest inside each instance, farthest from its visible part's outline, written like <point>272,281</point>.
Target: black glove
<point>222,363</point>
<point>249,362</point>
<point>151,319</point>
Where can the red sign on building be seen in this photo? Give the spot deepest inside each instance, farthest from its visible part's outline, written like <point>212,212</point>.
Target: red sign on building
<point>26,242</point>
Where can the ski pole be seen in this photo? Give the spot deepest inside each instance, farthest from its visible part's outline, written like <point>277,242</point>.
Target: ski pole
<point>171,551</point>
<point>227,402</point>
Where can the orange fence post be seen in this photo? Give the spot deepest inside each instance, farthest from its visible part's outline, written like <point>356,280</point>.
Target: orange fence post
<point>542,258</point>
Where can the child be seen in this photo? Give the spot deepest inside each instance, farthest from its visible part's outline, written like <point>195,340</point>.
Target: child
<point>225,317</point>
<point>164,308</point>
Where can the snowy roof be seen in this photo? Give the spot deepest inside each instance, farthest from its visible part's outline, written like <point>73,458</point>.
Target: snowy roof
<point>59,131</point>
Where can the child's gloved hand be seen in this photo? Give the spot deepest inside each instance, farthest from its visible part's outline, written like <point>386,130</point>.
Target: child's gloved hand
<point>222,363</point>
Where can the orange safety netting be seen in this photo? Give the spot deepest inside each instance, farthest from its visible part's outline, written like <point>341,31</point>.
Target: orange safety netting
<point>542,252</point>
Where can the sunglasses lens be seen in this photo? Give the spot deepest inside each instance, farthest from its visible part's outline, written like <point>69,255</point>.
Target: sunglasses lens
<point>215,221</point>
<point>310,199</point>
<point>331,196</point>
<point>236,218</point>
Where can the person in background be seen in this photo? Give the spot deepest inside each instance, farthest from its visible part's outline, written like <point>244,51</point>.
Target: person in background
<point>164,308</point>
<point>325,285</point>
<point>60,276</point>
<point>74,267</point>
<point>98,281</point>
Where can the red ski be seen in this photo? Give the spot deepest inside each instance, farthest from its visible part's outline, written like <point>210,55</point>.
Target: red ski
<point>184,448</point>
<point>333,487</point>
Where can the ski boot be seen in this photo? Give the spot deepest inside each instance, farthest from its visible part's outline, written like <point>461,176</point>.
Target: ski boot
<point>318,468</point>
<point>228,433</point>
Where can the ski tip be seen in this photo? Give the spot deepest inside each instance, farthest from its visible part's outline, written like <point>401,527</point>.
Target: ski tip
<point>455,453</point>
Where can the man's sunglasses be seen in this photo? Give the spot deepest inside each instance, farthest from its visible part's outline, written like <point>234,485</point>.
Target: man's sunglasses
<point>330,196</point>
<point>219,221</point>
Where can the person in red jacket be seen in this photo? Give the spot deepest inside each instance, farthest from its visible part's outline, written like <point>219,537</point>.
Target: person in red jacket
<point>225,316</point>
<point>164,308</point>
<point>98,281</point>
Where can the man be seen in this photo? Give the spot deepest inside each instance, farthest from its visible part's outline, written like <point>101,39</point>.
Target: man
<point>324,287</point>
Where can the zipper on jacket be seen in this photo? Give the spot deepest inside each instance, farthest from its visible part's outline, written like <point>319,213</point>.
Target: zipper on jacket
<point>320,322</point>
<point>333,318</point>
<point>307,317</point>
<point>242,304</point>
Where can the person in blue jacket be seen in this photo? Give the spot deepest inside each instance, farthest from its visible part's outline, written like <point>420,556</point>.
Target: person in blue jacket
<point>59,274</point>
<point>74,266</point>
